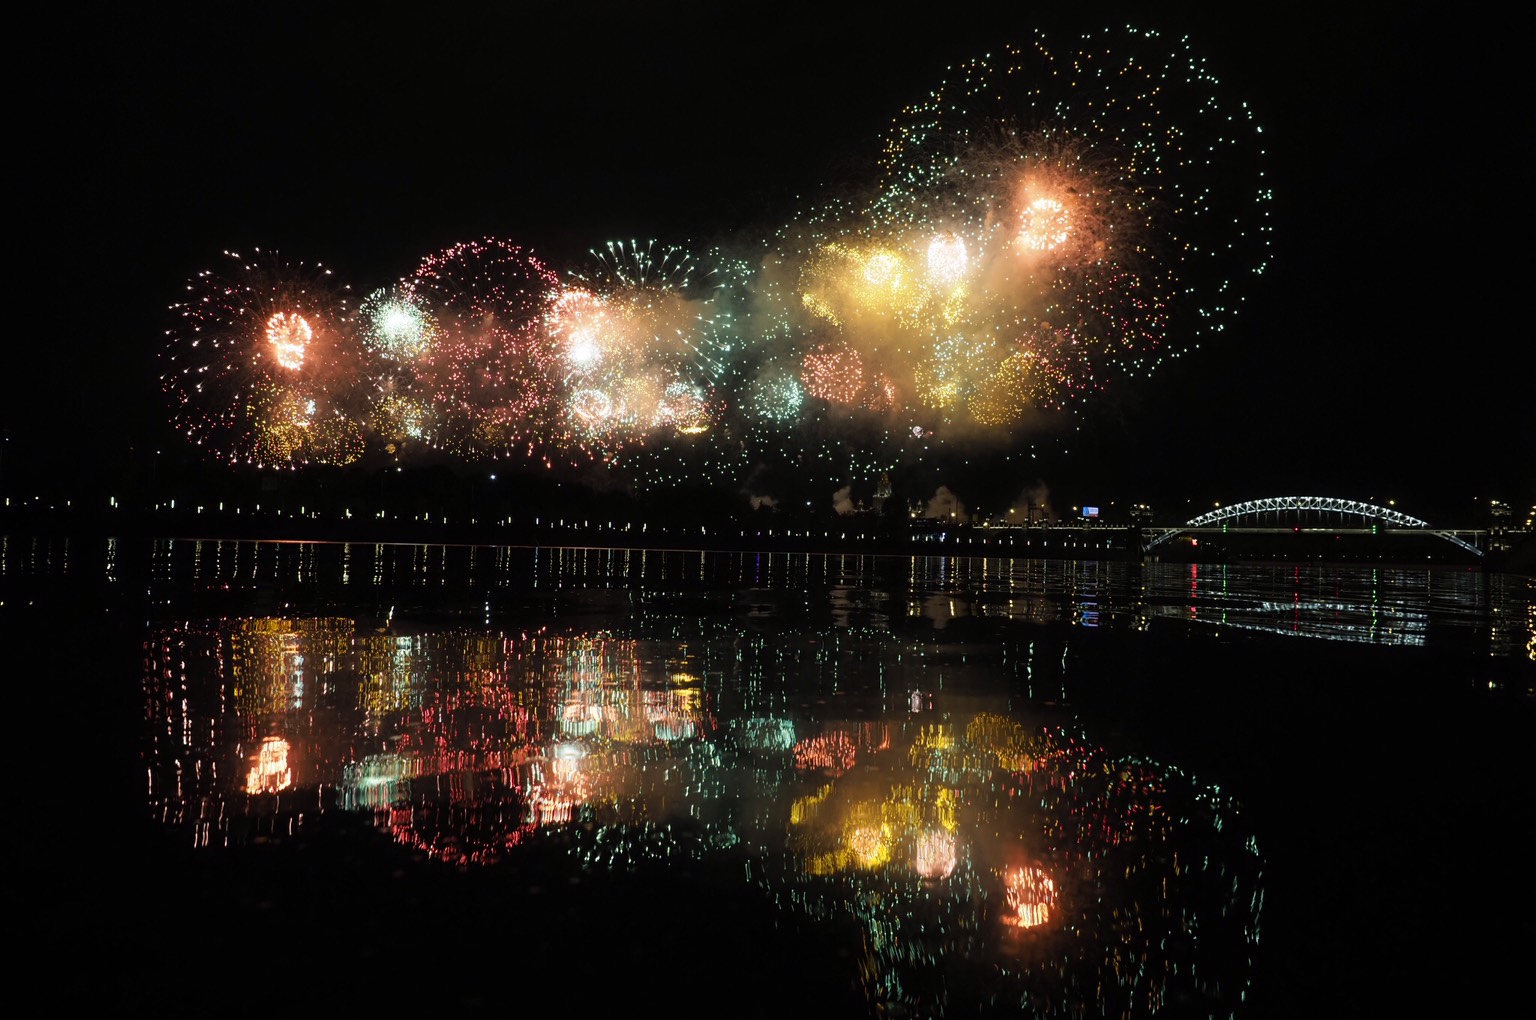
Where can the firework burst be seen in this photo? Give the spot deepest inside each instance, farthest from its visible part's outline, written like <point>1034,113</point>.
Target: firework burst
<point>260,365</point>
<point>641,337</point>
<point>486,375</point>
<point>1045,226</point>
<point>1108,187</point>
<point>397,325</point>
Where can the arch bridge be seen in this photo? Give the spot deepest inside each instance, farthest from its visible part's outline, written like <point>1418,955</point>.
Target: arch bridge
<point>1370,516</point>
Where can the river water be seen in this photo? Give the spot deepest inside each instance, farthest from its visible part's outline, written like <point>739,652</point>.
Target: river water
<point>295,776</point>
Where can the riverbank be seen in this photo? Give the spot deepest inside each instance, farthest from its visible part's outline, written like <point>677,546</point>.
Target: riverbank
<point>850,535</point>
<point>858,535</point>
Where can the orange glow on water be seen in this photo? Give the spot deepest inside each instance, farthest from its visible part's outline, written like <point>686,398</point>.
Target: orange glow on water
<point>1031,897</point>
<point>271,771</point>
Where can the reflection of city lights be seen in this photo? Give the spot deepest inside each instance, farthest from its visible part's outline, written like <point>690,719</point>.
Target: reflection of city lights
<point>767,734</point>
<point>550,807</point>
<point>377,781</point>
<point>934,855</point>
<point>671,714</point>
<point>832,751</point>
<point>1031,897</point>
<point>869,845</point>
<point>580,719</point>
<point>474,751</point>
<point>554,800</point>
<point>271,772</point>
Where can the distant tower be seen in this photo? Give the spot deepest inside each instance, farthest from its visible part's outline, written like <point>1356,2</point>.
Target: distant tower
<point>882,492</point>
<point>1500,518</point>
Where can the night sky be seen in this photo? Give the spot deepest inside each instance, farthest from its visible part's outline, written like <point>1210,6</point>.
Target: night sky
<point>1375,359</point>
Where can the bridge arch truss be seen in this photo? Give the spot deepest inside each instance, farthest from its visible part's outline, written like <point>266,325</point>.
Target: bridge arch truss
<point>1322,504</point>
<point>1257,508</point>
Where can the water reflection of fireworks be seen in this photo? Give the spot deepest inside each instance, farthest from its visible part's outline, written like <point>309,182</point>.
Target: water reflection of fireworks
<point>983,859</point>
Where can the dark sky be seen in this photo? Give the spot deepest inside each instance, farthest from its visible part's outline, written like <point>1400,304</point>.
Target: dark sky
<point>1377,358</point>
